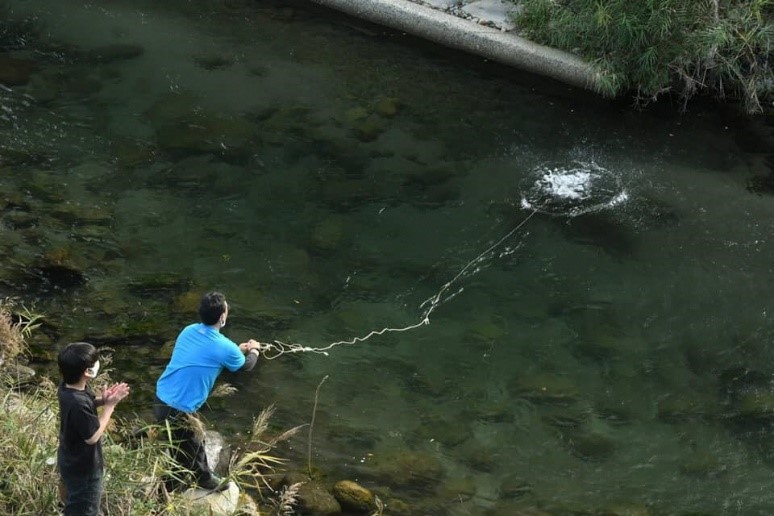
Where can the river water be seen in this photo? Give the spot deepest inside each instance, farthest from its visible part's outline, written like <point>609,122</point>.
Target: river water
<point>576,293</point>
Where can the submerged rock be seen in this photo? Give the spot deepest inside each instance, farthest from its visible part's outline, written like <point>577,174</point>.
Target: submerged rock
<point>408,469</point>
<point>591,446</point>
<point>312,496</point>
<point>387,107</point>
<point>15,72</point>
<point>354,497</point>
<point>115,52</point>
<point>546,388</point>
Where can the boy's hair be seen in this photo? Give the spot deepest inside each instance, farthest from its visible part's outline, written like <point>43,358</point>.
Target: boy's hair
<point>74,359</point>
<point>211,307</point>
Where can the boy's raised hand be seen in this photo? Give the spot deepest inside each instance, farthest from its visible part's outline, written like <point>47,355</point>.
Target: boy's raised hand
<point>115,393</point>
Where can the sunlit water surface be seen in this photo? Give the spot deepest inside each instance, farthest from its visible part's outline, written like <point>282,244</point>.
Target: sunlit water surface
<point>597,279</point>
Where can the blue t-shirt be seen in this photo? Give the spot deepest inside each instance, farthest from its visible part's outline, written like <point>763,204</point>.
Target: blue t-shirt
<point>200,354</point>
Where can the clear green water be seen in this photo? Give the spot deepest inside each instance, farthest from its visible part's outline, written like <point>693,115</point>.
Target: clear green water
<point>330,178</point>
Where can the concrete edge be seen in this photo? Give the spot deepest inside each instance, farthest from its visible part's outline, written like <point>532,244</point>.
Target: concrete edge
<point>454,32</point>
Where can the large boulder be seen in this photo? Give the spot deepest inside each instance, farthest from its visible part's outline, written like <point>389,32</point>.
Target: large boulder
<point>202,501</point>
<point>218,452</point>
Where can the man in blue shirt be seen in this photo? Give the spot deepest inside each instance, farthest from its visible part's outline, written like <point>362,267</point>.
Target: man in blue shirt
<point>200,354</point>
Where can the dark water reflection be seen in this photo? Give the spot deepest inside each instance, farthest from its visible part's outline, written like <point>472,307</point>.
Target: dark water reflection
<point>330,178</point>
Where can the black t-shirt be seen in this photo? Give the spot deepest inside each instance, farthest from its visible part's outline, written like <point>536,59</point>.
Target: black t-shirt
<point>78,421</point>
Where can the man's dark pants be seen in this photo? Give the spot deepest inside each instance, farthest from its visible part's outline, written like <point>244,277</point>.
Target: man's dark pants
<point>189,449</point>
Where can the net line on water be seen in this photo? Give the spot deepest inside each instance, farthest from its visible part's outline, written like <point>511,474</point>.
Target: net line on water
<point>278,348</point>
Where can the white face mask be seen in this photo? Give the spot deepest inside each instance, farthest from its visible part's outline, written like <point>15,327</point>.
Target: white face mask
<point>93,371</point>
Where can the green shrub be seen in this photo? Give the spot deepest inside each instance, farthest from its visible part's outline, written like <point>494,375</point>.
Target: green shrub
<point>652,47</point>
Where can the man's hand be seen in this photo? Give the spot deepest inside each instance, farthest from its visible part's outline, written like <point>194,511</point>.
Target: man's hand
<point>115,393</point>
<point>251,344</point>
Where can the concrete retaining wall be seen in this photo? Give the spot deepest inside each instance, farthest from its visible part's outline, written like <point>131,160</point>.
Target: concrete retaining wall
<point>454,32</point>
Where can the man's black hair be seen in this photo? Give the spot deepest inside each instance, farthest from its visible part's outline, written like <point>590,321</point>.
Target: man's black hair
<point>74,359</point>
<point>211,307</point>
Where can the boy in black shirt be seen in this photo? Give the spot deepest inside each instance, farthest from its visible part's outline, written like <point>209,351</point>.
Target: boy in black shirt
<point>80,428</point>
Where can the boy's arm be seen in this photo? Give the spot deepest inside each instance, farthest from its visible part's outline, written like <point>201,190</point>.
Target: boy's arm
<point>110,398</point>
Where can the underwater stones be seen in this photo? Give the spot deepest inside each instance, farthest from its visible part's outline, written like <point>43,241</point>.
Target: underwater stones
<point>625,509</point>
<point>513,487</point>
<point>45,186</point>
<point>438,429</point>
<point>186,302</point>
<point>545,388</point>
<point>458,488</point>
<point>44,88</point>
<point>312,496</point>
<point>368,129</point>
<point>356,114</point>
<point>216,134</point>
<point>115,52</point>
<point>15,72</point>
<point>354,497</point>
<point>129,153</point>
<point>408,469</point>
<point>387,107</point>
<point>76,214</point>
<point>756,404</point>
<point>486,330</point>
<point>570,416</point>
<point>159,285</point>
<point>213,61</point>
<point>681,406</point>
<point>172,106</point>
<point>291,127</point>
<point>327,234</point>
<point>590,445</point>
<point>702,464</point>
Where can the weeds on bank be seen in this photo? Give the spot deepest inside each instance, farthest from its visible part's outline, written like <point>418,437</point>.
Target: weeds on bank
<point>725,48</point>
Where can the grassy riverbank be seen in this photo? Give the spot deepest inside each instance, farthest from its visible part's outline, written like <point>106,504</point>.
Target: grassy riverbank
<point>681,47</point>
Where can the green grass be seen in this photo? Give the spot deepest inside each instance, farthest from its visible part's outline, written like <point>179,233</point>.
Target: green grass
<point>657,47</point>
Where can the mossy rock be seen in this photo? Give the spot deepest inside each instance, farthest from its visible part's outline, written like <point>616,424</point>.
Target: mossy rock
<point>75,214</point>
<point>354,497</point>
<point>328,234</point>
<point>213,61</point>
<point>130,153</point>
<point>187,302</point>
<point>115,52</point>
<point>702,464</point>
<point>458,488</point>
<point>514,487</point>
<point>439,430</point>
<point>387,107</point>
<point>561,417</point>
<point>207,134</point>
<point>756,404</point>
<point>685,406</point>
<point>15,72</point>
<point>312,496</point>
<point>591,446</point>
<point>408,469</point>
<point>172,107</point>
<point>625,509</point>
<point>369,129</point>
